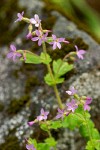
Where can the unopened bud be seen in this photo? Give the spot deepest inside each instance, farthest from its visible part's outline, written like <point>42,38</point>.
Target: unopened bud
<point>30,27</point>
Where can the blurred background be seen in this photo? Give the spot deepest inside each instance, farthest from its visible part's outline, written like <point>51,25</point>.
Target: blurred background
<point>22,89</point>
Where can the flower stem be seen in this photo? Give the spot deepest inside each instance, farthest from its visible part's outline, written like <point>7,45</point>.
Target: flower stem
<point>49,133</point>
<point>51,74</point>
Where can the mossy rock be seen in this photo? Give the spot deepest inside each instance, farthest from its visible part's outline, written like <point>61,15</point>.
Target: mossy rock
<point>7,10</point>
<point>30,83</point>
<point>11,143</point>
<point>66,48</point>
<point>17,104</point>
<point>1,106</point>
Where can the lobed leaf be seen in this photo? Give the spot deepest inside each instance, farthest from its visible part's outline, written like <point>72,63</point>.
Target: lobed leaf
<point>45,58</point>
<point>52,80</point>
<point>60,67</point>
<point>93,145</point>
<point>51,141</point>
<point>55,124</point>
<point>72,121</point>
<point>30,57</point>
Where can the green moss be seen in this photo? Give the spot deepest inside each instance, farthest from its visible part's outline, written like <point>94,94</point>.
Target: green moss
<point>1,106</point>
<point>11,143</point>
<point>25,69</point>
<point>17,104</point>
<point>30,83</point>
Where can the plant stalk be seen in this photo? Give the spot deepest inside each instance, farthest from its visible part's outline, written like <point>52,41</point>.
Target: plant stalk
<point>51,74</point>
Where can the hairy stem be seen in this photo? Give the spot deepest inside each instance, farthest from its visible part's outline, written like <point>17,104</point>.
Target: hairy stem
<point>51,74</point>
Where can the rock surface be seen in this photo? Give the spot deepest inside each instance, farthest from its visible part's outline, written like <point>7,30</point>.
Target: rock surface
<point>86,80</point>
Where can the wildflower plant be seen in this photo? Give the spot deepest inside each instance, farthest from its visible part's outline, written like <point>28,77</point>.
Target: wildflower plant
<point>73,114</point>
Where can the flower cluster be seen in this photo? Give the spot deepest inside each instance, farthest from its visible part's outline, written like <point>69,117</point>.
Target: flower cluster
<point>88,100</point>
<point>73,105</point>
<point>41,36</point>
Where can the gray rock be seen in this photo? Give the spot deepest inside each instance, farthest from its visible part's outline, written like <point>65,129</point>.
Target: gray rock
<point>86,82</point>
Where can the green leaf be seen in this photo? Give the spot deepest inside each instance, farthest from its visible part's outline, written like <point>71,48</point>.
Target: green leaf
<point>45,58</point>
<point>95,134</point>
<point>55,124</point>
<point>80,111</point>
<point>49,80</point>
<point>52,80</point>
<point>51,141</point>
<point>72,121</point>
<point>59,80</point>
<point>93,145</point>
<point>30,57</point>
<point>60,67</point>
<point>44,127</point>
<point>87,129</point>
<point>43,146</point>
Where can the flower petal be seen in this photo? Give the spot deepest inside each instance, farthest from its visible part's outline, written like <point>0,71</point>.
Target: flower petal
<point>54,37</point>
<point>54,45</point>
<point>39,42</point>
<point>10,55</point>
<point>31,123</point>
<point>58,45</point>
<point>33,21</point>
<point>35,39</point>
<point>12,47</point>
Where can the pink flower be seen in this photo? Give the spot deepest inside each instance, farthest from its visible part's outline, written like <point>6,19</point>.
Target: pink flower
<point>61,113</point>
<point>13,53</point>
<point>56,42</point>
<point>72,105</point>
<point>40,37</point>
<point>43,115</point>
<point>31,123</point>
<point>80,52</point>
<point>71,91</point>
<point>30,147</point>
<point>86,105</point>
<point>20,16</point>
<point>35,20</point>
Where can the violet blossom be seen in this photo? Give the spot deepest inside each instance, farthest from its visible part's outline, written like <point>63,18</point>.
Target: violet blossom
<point>71,91</point>
<point>13,53</point>
<point>87,102</point>
<point>20,16</point>
<point>72,105</point>
<point>31,123</point>
<point>61,113</point>
<point>35,20</point>
<point>56,42</point>
<point>40,37</point>
<point>43,115</point>
<point>30,147</point>
<point>80,52</point>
